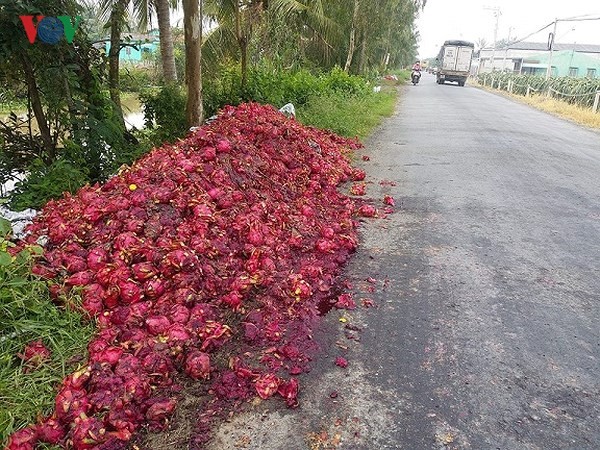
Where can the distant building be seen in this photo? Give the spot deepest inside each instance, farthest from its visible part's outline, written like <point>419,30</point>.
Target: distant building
<point>576,60</point>
<point>138,47</point>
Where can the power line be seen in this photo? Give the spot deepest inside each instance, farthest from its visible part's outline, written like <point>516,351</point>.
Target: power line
<point>531,34</point>
<point>579,20</point>
<point>570,19</point>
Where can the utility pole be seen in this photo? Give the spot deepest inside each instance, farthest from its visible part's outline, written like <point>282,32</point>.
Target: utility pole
<point>551,48</point>
<point>497,14</point>
<point>506,50</point>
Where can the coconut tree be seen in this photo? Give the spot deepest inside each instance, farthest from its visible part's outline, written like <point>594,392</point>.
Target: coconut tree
<point>192,24</point>
<point>116,10</point>
<point>167,55</point>
<point>117,13</point>
<point>143,10</point>
<point>352,43</point>
<point>378,29</point>
<point>238,20</point>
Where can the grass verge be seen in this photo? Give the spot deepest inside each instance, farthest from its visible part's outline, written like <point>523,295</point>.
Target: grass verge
<point>349,116</point>
<point>27,314</point>
<point>583,116</point>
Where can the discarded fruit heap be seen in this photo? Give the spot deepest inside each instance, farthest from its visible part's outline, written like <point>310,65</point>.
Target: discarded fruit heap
<point>229,235</point>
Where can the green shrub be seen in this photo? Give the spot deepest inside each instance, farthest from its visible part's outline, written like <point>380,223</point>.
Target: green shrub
<point>137,78</point>
<point>347,115</point>
<point>277,87</point>
<point>222,89</point>
<point>164,112</point>
<point>341,82</point>
<point>46,182</point>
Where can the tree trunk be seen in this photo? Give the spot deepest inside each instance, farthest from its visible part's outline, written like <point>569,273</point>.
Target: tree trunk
<point>38,110</point>
<point>116,25</point>
<point>363,53</point>
<point>192,24</point>
<point>352,36</point>
<point>243,44</point>
<point>163,14</point>
<point>244,62</point>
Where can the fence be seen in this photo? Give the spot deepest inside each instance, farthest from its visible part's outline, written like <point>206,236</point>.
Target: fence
<point>584,92</point>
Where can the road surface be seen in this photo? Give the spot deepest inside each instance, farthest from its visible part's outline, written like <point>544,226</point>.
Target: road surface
<point>486,330</point>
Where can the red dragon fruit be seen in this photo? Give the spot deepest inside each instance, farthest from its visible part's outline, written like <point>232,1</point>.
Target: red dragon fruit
<point>88,432</point>
<point>367,211</point>
<point>160,410</point>
<point>267,385</point>
<point>238,231</point>
<point>34,354</point>
<point>24,439</point>
<point>51,431</point>
<point>157,324</point>
<point>289,391</point>
<point>197,365</point>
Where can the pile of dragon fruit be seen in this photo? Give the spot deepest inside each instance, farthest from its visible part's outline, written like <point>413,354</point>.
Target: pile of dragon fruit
<point>214,244</point>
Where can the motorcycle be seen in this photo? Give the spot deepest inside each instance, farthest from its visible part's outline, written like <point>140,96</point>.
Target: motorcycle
<point>415,76</point>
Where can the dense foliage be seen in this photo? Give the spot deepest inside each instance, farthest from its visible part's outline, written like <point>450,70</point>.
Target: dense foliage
<point>71,127</point>
<point>164,106</point>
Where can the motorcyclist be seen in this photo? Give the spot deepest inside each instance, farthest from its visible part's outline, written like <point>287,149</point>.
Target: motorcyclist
<point>416,72</point>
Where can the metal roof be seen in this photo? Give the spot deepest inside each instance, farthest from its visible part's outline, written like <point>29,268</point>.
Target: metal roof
<point>542,46</point>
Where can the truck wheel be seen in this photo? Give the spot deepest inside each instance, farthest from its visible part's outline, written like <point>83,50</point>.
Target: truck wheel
<point>461,83</point>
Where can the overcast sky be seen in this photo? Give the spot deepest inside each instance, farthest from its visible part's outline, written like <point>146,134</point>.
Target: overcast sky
<point>471,20</point>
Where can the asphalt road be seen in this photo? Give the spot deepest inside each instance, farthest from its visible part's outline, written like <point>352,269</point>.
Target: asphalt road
<point>486,333</point>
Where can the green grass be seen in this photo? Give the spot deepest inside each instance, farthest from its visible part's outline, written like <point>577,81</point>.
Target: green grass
<point>402,74</point>
<point>27,314</point>
<point>16,107</point>
<point>349,116</point>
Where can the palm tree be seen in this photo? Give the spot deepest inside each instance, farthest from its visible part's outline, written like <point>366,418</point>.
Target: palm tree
<point>163,15</point>
<point>238,20</point>
<point>117,13</point>
<point>143,12</point>
<point>117,9</point>
<point>192,24</point>
<point>351,46</point>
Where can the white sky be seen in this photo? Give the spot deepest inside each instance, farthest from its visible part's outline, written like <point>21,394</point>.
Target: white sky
<point>470,20</point>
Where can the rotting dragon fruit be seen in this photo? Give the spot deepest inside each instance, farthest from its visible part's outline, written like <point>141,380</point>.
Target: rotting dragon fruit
<point>237,231</point>
<point>34,354</point>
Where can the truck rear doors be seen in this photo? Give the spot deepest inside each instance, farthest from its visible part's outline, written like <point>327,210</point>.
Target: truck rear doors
<point>449,60</point>
<point>463,59</point>
<point>457,59</point>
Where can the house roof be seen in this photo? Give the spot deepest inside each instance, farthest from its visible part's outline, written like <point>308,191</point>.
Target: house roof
<point>542,46</point>
<point>566,58</point>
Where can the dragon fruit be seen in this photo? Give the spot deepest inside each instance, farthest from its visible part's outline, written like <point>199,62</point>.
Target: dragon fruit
<point>226,241</point>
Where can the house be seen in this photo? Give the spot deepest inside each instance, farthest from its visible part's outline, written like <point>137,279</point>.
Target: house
<point>577,60</point>
<point>137,47</point>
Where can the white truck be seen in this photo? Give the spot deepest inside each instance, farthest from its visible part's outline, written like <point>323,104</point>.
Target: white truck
<point>454,62</point>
